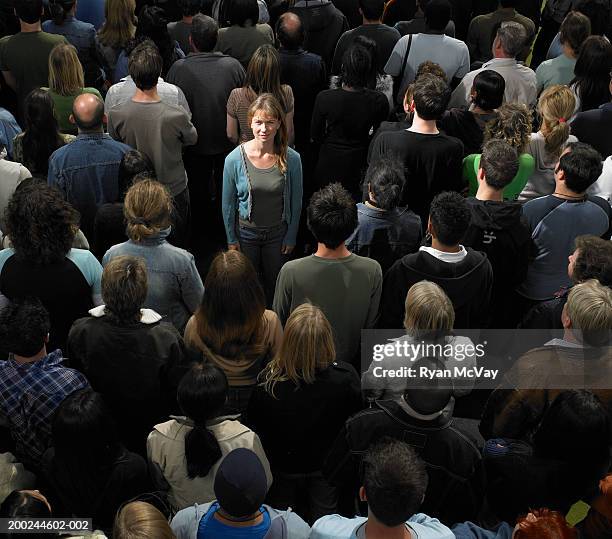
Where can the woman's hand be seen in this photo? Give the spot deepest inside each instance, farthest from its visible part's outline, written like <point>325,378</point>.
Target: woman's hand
<point>233,247</point>
<point>287,249</point>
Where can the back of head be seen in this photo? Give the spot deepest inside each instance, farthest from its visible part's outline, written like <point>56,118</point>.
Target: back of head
<point>508,3</point>
<point>153,24</point>
<point>119,24</point>
<point>450,217</point>
<point>24,327</point>
<point>240,483</point>
<point>575,28</point>
<point>589,308</point>
<point>29,11</point>
<point>263,73</point>
<point>30,504</point>
<point>437,14</point>
<point>132,163</point>
<point>544,524</point>
<point>88,112</point>
<point>41,133</point>
<point>147,209</point>
<point>201,395</point>
<point>290,31</point>
<point>429,311</point>
<point>59,9</point>
<point>189,8</point>
<point>385,179</point>
<point>243,12</point>
<point>594,260</point>
<point>332,215</point>
<point>40,223</point>
<point>357,64</point>
<point>581,166</point>
<point>512,124</point>
<point>431,68</point>
<point>499,162</point>
<point>204,32</point>
<point>124,288</point>
<point>395,480</point>
<point>428,396</point>
<point>372,10</point>
<point>141,520</point>
<point>65,70</point>
<point>489,87</point>
<point>512,36</point>
<point>556,106</point>
<point>598,13</point>
<point>145,65</point>
<point>431,96</point>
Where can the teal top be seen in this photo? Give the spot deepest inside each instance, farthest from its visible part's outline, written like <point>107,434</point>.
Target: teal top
<point>559,70</point>
<point>513,190</point>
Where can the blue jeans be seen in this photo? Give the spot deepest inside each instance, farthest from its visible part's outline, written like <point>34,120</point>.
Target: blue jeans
<point>263,247</point>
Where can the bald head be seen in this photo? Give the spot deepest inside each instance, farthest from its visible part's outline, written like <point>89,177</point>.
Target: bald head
<point>290,31</point>
<point>88,112</point>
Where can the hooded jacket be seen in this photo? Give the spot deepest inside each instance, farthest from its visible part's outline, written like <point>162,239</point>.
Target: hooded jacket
<point>467,283</point>
<point>498,230</point>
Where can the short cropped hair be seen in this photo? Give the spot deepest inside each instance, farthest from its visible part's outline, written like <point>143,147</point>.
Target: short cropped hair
<point>512,36</point>
<point>437,14</point>
<point>95,122</point>
<point>145,65</point>
<point>372,9</point>
<point>581,165</point>
<point>386,180</point>
<point>29,11</point>
<point>189,7</point>
<point>291,37</point>
<point>204,32</point>
<point>594,260</point>
<point>24,326</point>
<point>395,480</point>
<point>499,162</point>
<point>431,96</point>
<point>450,217</point>
<point>241,11</point>
<point>589,307</point>
<point>332,215</point>
<point>575,28</point>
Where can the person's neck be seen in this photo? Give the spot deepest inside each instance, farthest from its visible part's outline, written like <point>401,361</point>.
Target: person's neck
<point>366,22</point>
<point>146,96</point>
<point>241,521</point>
<point>372,204</point>
<point>376,530</point>
<point>561,191</point>
<point>94,131</point>
<point>260,149</point>
<point>501,55</point>
<point>508,9</point>
<point>486,192</point>
<point>435,244</point>
<point>475,109</point>
<point>425,127</point>
<point>350,88</point>
<point>569,52</point>
<point>23,360</point>
<point>325,252</point>
<point>187,19</point>
<point>27,27</point>
<point>569,336</point>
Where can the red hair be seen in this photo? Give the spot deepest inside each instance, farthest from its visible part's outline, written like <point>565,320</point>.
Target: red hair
<point>544,524</point>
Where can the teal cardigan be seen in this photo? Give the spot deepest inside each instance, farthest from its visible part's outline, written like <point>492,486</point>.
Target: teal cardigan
<point>237,195</point>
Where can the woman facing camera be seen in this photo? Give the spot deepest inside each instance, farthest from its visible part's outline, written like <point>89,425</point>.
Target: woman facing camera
<point>262,183</point>
<point>239,336</point>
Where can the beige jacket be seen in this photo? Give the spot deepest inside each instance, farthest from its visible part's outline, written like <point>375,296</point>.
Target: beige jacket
<point>166,449</point>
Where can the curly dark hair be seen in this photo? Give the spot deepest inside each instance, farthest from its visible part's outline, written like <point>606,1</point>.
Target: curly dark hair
<point>40,223</point>
<point>450,217</point>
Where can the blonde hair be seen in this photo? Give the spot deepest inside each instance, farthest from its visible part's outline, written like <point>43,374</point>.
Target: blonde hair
<point>65,70</point>
<point>308,345</point>
<point>512,124</point>
<point>147,209</point>
<point>589,307</point>
<point>271,108</point>
<point>119,25</point>
<point>141,520</point>
<point>429,312</point>
<point>556,106</point>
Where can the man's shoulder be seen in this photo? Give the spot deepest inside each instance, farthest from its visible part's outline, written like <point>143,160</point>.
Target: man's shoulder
<point>336,527</point>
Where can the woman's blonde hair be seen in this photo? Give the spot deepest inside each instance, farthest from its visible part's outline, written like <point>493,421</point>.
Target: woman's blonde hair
<point>147,209</point>
<point>556,106</point>
<point>119,26</point>
<point>65,70</point>
<point>271,108</point>
<point>308,345</point>
<point>429,312</point>
<point>141,520</point>
<point>511,124</point>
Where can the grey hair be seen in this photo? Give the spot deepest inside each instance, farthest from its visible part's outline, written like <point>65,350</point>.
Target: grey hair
<point>512,36</point>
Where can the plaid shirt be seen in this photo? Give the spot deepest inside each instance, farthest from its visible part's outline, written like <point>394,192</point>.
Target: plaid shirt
<point>29,395</point>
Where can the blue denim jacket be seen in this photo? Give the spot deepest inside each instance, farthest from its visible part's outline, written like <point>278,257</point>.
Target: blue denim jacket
<point>86,172</point>
<point>175,288</point>
<point>9,129</point>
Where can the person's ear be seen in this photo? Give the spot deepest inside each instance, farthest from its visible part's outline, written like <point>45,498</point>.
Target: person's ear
<point>429,227</point>
<point>71,119</point>
<point>480,175</point>
<point>191,47</point>
<point>565,319</point>
<point>412,107</point>
<point>46,339</point>
<point>104,119</point>
<point>362,495</point>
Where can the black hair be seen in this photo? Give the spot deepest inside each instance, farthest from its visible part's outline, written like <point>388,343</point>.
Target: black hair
<point>356,70</point>
<point>41,135</point>
<point>190,8</point>
<point>204,32</point>
<point>132,163</point>
<point>290,38</point>
<point>40,223</point>
<point>371,46</point>
<point>500,163</point>
<point>508,3</point>
<point>592,73</point>
<point>242,11</point>
<point>581,165</point>
<point>450,217</point>
<point>95,122</point>
<point>395,480</point>
<point>21,504</point>
<point>332,215</point>
<point>598,12</point>
<point>489,87</point>
<point>29,11</point>
<point>437,14</point>
<point>429,395</point>
<point>575,28</point>
<point>431,96</point>
<point>386,180</point>
<point>59,9</point>
<point>145,65</point>
<point>372,9</point>
<point>201,396</point>
<point>24,326</point>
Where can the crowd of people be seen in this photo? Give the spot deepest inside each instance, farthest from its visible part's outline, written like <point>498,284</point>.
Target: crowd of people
<point>204,203</point>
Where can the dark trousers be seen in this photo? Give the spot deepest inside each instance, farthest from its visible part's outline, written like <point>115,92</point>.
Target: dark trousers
<point>181,216</point>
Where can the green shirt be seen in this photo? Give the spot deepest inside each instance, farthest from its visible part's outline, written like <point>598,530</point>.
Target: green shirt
<point>559,70</point>
<point>63,108</point>
<point>513,190</point>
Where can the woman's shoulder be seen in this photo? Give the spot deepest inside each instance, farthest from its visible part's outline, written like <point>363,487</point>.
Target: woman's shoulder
<point>234,156</point>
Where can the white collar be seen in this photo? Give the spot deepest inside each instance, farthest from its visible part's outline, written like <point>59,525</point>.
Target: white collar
<point>147,316</point>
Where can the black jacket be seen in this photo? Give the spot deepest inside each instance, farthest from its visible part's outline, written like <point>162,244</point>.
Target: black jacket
<point>467,283</point>
<point>454,465</point>
<point>498,230</point>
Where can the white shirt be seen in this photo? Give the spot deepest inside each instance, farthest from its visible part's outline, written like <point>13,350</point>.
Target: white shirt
<point>521,85</point>
<point>453,258</point>
<point>603,186</point>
